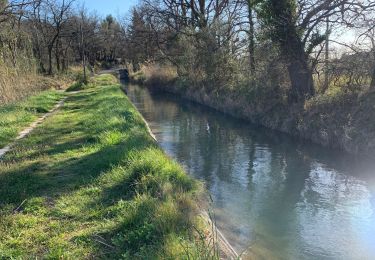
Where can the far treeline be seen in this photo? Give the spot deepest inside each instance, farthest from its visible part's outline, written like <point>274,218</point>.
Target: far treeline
<point>48,37</point>
<point>57,34</point>
<point>213,43</point>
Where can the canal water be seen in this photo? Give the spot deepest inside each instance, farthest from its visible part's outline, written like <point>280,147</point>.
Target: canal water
<point>274,197</point>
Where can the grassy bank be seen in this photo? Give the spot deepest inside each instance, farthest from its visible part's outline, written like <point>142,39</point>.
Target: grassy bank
<point>16,116</point>
<point>91,183</point>
<point>339,118</point>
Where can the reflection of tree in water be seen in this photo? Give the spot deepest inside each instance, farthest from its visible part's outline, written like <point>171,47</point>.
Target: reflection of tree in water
<point>344,205</point>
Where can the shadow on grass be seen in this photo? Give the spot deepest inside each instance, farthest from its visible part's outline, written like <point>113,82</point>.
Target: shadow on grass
<point>51,178</point>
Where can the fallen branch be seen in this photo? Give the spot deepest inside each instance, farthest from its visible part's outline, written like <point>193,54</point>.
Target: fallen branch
<point>100,240</point>
<point>16,210</point>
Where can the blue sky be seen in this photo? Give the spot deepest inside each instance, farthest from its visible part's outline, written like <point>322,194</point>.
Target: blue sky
<point>105,7</point>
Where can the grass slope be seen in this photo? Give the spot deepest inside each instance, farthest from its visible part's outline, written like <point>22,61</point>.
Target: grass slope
<point>14,117</point>
<point>91,183</point>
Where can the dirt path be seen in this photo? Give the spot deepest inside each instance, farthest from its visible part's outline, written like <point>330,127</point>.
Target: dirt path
<point>31,127</point>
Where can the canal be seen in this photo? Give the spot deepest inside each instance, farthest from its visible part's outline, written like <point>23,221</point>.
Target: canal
<point>274,197</point>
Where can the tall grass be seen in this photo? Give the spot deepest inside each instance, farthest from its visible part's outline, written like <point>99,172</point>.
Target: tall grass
<point>17,84</point>
<point>19,77</point>
<point>154,75</point>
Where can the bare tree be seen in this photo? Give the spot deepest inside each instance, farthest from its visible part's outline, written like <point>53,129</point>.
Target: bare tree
<point>369,35</point>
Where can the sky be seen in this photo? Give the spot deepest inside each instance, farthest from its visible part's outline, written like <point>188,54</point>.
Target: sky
<point>105,7</point>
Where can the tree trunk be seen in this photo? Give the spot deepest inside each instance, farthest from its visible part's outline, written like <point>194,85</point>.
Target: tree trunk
<point>372,84</point>
<point>41,66</point>
<point>301,80</point>
<point>57,57</point>
<point>287,36</point>
<point>192,13</point>
<point>202,14</point>
<point>50,49</point>
<point>83,54</point>
<point>184,13</point>
<point>300,74</point>
<point>326,59</point>
<point>84,69</point>
<point>251,39</point>
<point>50,60</point>
<point>38,54</point>
<point>63,63</point>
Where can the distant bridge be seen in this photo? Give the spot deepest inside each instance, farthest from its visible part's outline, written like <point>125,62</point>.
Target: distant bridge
<point>121,73</point>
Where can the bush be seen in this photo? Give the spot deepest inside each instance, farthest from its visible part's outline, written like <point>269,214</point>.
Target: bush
<point>138,77</point>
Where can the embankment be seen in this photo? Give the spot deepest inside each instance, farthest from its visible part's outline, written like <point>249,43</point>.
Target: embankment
<point>343,121</point>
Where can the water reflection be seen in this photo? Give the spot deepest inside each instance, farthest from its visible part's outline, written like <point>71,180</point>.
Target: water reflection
<point>277,197</point>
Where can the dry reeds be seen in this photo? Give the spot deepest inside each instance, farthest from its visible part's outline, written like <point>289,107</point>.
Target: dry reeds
<point>16,84</point>
<point>157,75</point>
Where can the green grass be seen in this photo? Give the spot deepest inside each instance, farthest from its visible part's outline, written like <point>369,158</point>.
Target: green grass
<point>91,183</point>
<point>104,80</point>
<point>14,117</point>
<point>100,80</point>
